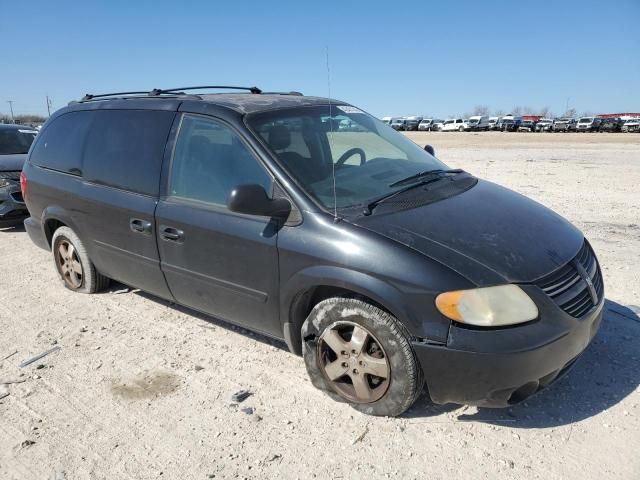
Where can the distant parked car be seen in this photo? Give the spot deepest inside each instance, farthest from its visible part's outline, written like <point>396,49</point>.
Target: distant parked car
<point>588,124</point>
<point>544,125</point>
<point>454,124</point>
<point>510,124</point>
<point>15,141</point>
<point>399,124</point>
<point>631,125</point>
<point>611,125</point>
<point>437,125</point>
<point>429,124</point>
<point>386,120</point>
<point>564,124</point>
<point>412,123</point>
<point>527,126</point>
<point>478,123</point>
<point>492,123</point>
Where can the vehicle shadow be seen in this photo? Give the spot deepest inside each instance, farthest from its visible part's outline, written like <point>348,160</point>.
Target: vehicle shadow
<point>115,288</point>
<point>605,374</point>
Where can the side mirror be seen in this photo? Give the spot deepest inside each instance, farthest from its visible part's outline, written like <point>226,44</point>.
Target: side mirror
<point>430,150</point>
<point>253,200</point>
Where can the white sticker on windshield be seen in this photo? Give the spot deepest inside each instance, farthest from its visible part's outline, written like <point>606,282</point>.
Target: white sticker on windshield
<point>28,131</point>
<point>348,109</point>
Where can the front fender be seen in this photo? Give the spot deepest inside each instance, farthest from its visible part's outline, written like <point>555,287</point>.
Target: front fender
<point>383,293</point>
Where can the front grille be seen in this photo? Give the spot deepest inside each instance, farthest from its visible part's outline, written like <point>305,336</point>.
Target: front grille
<point>13,175</point>
<point>567,287</point>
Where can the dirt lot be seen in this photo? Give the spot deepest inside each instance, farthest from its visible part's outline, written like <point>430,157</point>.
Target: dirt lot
<point>140,389</point>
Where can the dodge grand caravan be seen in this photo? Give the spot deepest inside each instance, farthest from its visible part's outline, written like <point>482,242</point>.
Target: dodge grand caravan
<point>367,255</point>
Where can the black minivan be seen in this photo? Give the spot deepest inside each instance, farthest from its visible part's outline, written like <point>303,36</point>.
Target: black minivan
<point>367,255</point>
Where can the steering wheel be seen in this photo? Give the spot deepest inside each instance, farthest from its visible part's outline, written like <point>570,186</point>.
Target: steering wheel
<point>350,153</point>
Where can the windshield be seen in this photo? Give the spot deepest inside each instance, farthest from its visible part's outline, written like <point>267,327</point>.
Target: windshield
<point>474,120</point>
<point>366,161</point>
<point>586,120</point>
<point>397,121</point>
<point>16,140</point>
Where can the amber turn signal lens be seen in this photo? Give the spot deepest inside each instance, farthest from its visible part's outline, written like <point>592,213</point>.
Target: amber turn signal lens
<point>447,303</point>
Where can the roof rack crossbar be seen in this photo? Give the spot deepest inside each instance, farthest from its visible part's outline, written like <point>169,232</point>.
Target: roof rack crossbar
<point>90,96</point>
<point>159,91</point>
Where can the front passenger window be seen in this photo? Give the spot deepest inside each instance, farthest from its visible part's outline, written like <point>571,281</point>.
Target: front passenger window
<point>210,160</point>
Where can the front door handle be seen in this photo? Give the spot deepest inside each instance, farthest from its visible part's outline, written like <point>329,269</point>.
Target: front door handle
<point>140,226</point>
<point>171,234</point>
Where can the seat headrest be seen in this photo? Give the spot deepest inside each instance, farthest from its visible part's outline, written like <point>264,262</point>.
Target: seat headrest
<point>198,145</point>
<point>279,137</point>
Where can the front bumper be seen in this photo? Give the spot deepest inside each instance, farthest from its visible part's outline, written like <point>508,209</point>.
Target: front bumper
<point>12,208</point>
<point>498,368</point>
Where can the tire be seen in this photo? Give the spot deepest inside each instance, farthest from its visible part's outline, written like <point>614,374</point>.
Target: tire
<point>73,265</point>
<point>387,341</point>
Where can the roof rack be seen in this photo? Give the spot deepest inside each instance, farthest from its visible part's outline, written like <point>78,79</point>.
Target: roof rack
<point>158,91</point>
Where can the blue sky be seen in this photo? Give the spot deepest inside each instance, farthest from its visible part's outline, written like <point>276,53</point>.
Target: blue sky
<point>390,58</point>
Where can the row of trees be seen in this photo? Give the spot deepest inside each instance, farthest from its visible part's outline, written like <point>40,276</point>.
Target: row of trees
<point>22,119</point>
<point>524,110</point>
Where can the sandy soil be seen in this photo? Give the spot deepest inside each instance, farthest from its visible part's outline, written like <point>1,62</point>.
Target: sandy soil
<point>140,389</point>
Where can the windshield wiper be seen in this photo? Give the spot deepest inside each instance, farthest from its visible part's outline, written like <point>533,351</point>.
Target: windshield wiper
<point>418,176</point>
<point>416,180</point>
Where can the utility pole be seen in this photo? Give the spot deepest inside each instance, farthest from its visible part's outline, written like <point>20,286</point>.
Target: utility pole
<point>10,102</point>
<point>49,105</point>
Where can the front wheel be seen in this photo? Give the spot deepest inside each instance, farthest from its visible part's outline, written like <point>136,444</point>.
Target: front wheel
<point>359,354</point>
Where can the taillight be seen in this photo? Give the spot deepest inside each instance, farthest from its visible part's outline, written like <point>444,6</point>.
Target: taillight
<point>23,185</point>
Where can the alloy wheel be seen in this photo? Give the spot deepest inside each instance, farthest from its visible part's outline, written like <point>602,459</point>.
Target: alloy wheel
<point>354,362</point>
<point>68,264</point>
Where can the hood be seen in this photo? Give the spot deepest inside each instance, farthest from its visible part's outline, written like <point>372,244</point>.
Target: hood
<point>488,234</point>
<point>9,163</point>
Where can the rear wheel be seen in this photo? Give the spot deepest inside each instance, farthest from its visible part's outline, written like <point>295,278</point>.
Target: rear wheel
<point>74,267</point>
<point>361,355</point>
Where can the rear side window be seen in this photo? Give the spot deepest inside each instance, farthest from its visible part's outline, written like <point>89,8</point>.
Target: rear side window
<point>125,147</point>
<point>59,146</point>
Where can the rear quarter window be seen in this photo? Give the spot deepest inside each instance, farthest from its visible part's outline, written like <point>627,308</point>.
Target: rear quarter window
<point>124,149</point>
<point>59,146</point>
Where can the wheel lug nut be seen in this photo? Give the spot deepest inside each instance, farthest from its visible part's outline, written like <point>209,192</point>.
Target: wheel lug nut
<point>355,370</point>
<point>345,364</point>
<point>353,351</point>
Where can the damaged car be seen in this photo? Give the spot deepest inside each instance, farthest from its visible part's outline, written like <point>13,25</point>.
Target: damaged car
<point>384,268</point>
<point>15,141</point>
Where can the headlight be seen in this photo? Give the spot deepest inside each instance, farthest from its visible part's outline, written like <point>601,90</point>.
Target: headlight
<point>4,183</point>
<point>488,307</point>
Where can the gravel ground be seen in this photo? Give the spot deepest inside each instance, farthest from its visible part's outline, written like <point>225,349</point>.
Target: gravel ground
<point>140,389</point>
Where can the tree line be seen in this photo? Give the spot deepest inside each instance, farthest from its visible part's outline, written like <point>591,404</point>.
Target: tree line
<point>22,119</point>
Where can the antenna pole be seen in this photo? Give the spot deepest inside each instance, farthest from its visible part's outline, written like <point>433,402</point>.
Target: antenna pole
<point>48,105</point>
<point>333,164</point>
<point>10,102</point>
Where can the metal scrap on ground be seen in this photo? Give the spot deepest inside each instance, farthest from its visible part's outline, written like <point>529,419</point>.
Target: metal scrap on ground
<point>10,355</point>
<point>241,396</point>
<point>38,357</point>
